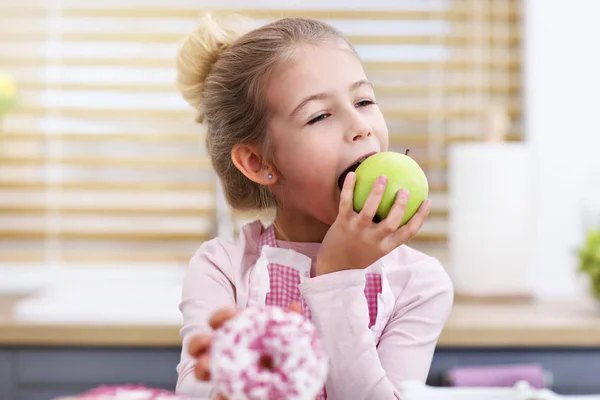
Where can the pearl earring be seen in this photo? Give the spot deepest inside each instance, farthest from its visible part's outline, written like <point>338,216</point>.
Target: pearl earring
<point>270,176</point>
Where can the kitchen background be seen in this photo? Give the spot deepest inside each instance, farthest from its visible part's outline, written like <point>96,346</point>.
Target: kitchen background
<point>105,183</point>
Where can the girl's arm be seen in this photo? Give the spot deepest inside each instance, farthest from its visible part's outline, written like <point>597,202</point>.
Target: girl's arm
<point>206,288</point>
<point>358,369</point>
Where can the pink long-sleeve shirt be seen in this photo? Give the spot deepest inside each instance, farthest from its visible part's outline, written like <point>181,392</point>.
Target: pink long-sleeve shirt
<point>360,368</point>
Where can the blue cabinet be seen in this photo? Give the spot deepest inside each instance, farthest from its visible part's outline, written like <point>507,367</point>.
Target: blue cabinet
<point>45,373</point>
<point>28,373</point>
<point>7,376</point>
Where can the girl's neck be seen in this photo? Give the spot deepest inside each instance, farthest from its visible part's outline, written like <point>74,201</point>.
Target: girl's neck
<point>298,227</point>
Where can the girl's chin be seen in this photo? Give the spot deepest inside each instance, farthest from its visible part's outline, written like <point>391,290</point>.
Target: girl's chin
<point>323,215</point>
<point>329,217</point>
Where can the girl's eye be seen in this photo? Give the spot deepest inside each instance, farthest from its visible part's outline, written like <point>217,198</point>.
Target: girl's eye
<point>364,103</point>
<point>317,119</point>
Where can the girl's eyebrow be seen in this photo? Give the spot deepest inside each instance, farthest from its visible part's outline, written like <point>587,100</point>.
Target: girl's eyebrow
<point>360,83</point>
<point>324,95</point>
<point>316,96</point>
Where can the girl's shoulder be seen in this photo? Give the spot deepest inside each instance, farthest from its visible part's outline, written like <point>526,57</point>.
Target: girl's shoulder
<point>228,254</point>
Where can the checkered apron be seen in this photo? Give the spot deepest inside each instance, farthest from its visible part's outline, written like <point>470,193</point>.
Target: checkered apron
<point>281,288</point>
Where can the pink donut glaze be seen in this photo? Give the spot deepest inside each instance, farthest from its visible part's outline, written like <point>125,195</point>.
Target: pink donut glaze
<point>268,353</point>
<point>127,392</point>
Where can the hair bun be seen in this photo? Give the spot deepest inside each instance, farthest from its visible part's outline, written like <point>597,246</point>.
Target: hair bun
<point>198,53</point>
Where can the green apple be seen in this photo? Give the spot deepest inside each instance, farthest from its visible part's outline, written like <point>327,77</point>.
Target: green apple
<point>402,172</point>
<point>7,93</point>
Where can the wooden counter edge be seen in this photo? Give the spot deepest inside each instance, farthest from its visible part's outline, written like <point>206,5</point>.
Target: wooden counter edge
<point>524,337</point>
<point>71,335</point>
<point>29,335</point>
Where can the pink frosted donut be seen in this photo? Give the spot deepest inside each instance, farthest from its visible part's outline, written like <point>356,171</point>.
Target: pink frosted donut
<point>268,353</point>
<point>126,392</point>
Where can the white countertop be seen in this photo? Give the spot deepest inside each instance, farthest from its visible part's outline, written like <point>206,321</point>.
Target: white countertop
<point>111,294</point>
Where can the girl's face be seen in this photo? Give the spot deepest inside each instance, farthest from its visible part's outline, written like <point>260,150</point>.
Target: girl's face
<point>323,119</point>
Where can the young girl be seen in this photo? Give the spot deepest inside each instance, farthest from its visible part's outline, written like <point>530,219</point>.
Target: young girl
<point>288,109</point>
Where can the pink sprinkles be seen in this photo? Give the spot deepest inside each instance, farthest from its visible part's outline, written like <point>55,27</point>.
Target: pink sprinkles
<point>268,353</point>
<point>128,392</point>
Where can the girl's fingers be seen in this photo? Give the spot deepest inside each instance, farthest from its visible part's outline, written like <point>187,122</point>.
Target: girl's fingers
<point>346,198</point>
<point>295,307</point>
<point>221,316</point>
<point>199,344</point>
<point>202,369</point>
<point>413,225</point>
<point>368,211</point>
<point>391,223</point>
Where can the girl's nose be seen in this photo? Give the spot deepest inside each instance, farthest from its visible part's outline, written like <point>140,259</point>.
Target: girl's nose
<point>359,129</point>
<point>359,136</point>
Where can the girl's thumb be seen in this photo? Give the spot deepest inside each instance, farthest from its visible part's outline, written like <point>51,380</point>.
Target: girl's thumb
<point>295,307</point>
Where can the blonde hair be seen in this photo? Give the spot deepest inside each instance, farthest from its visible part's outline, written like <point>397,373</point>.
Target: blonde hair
<point>222,70</point>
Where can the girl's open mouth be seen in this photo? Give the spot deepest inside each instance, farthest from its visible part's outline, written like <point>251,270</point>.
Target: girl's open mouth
<point>351,168</point>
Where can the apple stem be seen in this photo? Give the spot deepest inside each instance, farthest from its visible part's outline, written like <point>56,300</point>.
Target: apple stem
<point>406,152</point>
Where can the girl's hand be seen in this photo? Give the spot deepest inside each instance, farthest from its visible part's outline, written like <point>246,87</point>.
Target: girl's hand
<point>354,241</point>
<point>199,346</point>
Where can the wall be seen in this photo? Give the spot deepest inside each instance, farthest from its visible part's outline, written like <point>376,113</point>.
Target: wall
<point>563,125</point>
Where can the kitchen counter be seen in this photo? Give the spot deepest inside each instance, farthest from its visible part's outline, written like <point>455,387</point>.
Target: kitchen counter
<point>40,361</point>
<point>541,324</point>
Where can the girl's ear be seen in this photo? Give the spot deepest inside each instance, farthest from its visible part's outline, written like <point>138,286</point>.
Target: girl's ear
<point>249,160</point>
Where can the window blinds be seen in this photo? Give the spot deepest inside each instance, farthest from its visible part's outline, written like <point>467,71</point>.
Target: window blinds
<point>101,159</point>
